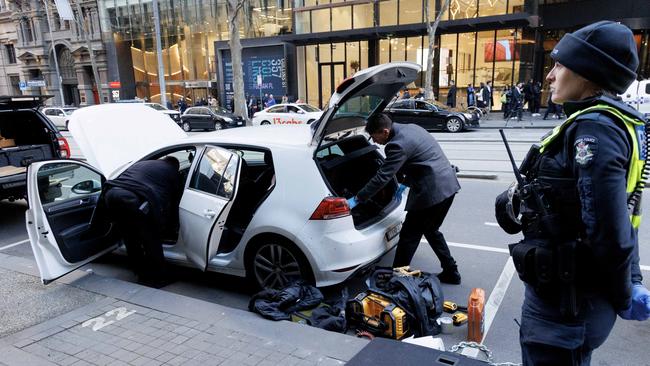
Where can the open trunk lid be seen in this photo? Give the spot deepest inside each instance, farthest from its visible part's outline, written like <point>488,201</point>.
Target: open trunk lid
<point>361,96</point>
<point>9,102</point>
<point>111,135</point>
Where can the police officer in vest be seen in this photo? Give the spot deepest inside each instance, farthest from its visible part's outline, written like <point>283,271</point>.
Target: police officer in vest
<point>579,206</point>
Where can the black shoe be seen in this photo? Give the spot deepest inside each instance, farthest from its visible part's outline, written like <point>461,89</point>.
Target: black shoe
<point>451,277</point>
<point>156,283</point>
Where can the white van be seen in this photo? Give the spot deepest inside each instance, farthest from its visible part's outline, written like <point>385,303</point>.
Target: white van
<point>638,96</point>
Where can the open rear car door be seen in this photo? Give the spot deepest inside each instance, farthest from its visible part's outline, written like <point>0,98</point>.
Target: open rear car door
<point>66,227</point>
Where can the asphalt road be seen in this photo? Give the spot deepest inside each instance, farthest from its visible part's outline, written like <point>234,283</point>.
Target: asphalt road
<point>479,246</point>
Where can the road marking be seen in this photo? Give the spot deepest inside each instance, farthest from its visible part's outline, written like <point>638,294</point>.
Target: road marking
<point>491,224</point>
<point>14,244</point>
<point>496,296</point>
<point>493,249</point>
<point>101,322</point>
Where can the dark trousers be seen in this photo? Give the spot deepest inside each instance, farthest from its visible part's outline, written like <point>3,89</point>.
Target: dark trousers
<point>140,232</point>
<point>549,339</point>
<point>424,222</point>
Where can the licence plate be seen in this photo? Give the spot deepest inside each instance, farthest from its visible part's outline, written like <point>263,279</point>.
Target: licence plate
<point>393,232</point>
<point>239,123</point>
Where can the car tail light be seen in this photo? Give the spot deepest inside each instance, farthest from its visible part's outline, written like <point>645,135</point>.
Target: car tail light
<point>64,148</point>
<point>331,208</point>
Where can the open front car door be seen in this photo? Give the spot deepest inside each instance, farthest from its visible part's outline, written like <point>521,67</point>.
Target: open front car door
<point>66,226</point>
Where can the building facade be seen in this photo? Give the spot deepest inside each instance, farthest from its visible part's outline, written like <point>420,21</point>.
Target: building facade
<point>27,55</point>
<point>305,48</point>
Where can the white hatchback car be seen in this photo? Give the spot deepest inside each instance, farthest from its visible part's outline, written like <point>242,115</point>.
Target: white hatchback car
<point>59,116</point>
<point>287,114</point>
<point>266,203</point>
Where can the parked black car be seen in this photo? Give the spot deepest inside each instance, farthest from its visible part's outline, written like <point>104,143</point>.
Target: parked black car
<point>26,136</point>
<point>429,116</point>
<point>209,118</point>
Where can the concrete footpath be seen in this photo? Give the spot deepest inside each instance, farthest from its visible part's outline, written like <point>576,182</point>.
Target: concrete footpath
<point>496,120</point>
<point>130,324</point>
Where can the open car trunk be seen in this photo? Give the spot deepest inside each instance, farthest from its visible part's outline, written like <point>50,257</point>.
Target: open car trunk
<point>347,165</point>
<point>26,140</point>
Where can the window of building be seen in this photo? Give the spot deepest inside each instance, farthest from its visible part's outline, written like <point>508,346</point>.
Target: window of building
<point>384,51</point>
<point>363,16</point>
<point>491,7</point>
<point>11,53</point>
<point>341,18</point>
<point>410,11</point>
<point>515,6</point>
<point>303,22</point>
<point>447,60</point>
<point>387,12</point>
<point>463,9</point>
<point>322,20</point>
<point>465,63</point>
<point>15,84</point>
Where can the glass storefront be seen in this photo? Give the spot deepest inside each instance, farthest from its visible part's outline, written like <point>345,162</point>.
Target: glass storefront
<point>189,29</point>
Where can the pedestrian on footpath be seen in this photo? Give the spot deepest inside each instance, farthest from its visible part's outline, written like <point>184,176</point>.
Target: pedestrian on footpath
<point>433,184</point>
<point>579,257</point>
<point>143,202</point>
<point>537,98</point>
<point>451,95</point>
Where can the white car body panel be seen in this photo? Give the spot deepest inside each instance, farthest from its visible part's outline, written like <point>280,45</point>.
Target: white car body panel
<point>285,118</point>
<point>100,129</point>
<point>59,121</point>
<point>638,96</point>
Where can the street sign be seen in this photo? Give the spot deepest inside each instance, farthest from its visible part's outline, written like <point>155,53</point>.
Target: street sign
<point>116,95</point>
<point>115,84</point>
<point>36,83</point>
<point>259,81</point>
<point>22,85</point>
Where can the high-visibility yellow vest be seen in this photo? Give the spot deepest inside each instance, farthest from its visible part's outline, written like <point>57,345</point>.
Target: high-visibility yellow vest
<point>635,129</point>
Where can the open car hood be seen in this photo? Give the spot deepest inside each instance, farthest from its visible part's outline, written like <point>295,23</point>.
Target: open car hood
<point>366,93</point>
<point>111,135</point>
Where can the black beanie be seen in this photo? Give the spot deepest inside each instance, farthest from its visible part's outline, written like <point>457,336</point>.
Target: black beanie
<point>603,52</point>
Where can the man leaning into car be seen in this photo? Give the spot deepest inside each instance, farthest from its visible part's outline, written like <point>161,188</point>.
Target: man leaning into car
<point>143,202</point>
<point>411,150</point>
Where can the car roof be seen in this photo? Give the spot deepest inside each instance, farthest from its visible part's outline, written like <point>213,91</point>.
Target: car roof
<point>266,136</point>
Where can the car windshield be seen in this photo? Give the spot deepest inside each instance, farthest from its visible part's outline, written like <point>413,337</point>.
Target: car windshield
<point>219,110</point>
<point>308,108</point>
<point>359,106</point>
<point>69,111</point>
<point>157,107</point>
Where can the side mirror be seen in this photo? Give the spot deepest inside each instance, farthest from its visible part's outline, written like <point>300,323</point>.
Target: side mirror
<point>87,187</point>
<point>60,114</point>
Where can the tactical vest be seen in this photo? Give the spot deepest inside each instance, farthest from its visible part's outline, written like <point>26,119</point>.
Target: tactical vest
<point>635,129</point>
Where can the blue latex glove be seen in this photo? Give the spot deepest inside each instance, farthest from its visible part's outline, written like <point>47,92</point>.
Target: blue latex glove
<point>352,202</point>
<point>640,308</point>
<point>400,190</point>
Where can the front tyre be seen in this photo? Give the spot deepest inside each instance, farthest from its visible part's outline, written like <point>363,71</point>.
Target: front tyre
<point>454,124</point>
<point>265,123</point>
<point>276,263</point>
<point>217,126</point>
<point>187,127</point>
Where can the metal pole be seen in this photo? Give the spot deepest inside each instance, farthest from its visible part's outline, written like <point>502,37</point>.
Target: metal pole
<point>84,35</point>
<point>161,69</point>
<point>56,61</point>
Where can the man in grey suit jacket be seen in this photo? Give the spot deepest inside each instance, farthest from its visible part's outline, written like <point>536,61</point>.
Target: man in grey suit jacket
<point>412,151</point>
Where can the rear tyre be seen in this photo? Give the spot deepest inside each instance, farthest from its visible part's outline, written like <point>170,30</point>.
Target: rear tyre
<point>217,126</point>
<point>265,123</point>
<point>454,124</point>
<point>275,263</point>
<point>187,127</point>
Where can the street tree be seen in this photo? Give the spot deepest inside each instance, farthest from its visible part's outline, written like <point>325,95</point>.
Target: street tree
<point>431,28</point>
<point>233,7</point>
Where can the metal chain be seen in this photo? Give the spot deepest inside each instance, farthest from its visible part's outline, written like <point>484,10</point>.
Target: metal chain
<point>488,354</point>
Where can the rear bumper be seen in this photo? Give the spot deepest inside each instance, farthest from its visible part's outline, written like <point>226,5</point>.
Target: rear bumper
<point>339,250</point>
<point>13,186</point>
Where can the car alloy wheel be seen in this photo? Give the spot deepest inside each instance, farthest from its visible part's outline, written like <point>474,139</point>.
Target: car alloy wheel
<point>217,126</point>
<point>186,127</point>
<point>454,124</point>
<point>275,266</point>
<point>265,123</point>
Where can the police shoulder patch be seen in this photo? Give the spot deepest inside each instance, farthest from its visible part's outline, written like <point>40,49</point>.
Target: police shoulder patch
<point>586,148</point>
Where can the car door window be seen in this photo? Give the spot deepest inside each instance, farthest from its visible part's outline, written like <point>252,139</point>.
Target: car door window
<point>278,109</point>
<point>293,109</point>
<point>422,106</point>
<point>402,104</point>
<point>215,173</point>
<point>63,181</point>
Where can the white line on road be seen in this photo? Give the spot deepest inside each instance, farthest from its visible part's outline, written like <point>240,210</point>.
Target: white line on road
<point>491,224</point>
<point>14,244</point>
<point>496,296</point>
<point>495,250</point>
